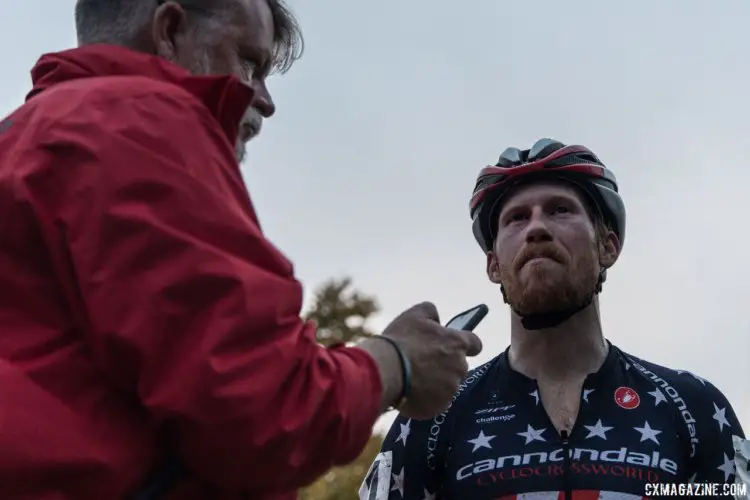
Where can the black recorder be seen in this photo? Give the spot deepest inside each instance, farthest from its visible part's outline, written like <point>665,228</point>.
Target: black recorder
<point>469,319</point>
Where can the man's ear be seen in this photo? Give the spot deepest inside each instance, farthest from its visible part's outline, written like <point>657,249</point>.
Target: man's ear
<point>609,249</point>
<point>493,268</point>
<point>169,21</point>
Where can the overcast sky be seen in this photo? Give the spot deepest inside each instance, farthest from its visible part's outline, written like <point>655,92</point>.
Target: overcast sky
<point>367,168</point>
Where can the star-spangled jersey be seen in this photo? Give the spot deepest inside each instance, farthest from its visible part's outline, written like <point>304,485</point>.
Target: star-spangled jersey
<point>639,423</point>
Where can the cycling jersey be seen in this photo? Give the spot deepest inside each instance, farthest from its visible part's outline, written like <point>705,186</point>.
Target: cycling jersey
<point>639,424</point>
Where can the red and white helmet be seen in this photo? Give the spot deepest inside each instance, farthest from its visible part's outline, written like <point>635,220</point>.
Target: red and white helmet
<point>546,160</point>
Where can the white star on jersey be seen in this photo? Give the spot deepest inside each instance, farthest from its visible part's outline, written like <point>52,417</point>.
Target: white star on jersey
<point>532,434</point>
<point>398,482</point>
<point>405,429</point>
<point>535,394</point>
<point>658,396</point>
<point>586,393</point>
<point>428,495</point>
<point>647,433</point>
<point>481,441</point>
<point>720,415</point>
<point>727,468</point>
<point>598,430</point>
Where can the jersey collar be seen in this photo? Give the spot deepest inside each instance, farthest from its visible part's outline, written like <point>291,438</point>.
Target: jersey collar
<point>607,371</point>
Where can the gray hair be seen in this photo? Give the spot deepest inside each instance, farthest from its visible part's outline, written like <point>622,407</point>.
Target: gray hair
<point>121,22</point>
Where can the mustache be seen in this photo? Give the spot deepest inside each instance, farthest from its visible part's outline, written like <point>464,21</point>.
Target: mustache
<point>548,250</point>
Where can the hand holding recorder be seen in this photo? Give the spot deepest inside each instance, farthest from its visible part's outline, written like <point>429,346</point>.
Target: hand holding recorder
<point>428,357</point>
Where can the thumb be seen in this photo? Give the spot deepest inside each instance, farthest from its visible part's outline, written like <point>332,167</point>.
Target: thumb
<point>426,310</point>
<point>474,344</point>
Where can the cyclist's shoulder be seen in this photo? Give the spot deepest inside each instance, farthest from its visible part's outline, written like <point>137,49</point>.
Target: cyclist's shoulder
<point>476,381</point>
<point>481,371</point>
<point>685,383</point>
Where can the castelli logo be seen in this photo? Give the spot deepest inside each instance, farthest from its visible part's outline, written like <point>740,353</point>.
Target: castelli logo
<point>627,398</point>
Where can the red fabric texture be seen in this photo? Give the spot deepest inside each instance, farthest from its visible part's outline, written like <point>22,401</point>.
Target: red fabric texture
<point>143,312</point>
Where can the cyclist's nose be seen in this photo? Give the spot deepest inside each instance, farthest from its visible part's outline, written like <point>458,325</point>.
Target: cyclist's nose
<point>537,230</point>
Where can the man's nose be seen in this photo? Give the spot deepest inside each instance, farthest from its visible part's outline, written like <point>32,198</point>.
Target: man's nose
<point>262,100</point>
<point>537,230</point>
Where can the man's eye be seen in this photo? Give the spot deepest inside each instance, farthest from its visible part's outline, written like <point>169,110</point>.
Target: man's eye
<point>249,68</point>
<point>254,68</point>
<point>561,209</point>
<point>517,217</point>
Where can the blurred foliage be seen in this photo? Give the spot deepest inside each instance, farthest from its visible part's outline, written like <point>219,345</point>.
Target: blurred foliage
<point>341,314</point>
<point>342,483</point>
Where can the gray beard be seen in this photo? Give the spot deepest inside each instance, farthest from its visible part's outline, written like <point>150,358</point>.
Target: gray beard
<point>202,66</point>
<point>240,151</point>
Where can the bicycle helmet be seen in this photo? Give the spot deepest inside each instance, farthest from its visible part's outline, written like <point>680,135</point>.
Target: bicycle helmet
<point>546,160</point>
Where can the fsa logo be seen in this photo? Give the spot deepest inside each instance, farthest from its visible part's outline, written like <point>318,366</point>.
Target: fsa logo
<point>494,409</point>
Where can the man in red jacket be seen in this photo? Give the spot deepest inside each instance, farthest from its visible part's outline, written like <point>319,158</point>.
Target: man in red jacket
<point>145,318</point>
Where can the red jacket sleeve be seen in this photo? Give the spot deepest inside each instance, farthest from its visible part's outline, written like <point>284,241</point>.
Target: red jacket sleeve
<point>190,307</point>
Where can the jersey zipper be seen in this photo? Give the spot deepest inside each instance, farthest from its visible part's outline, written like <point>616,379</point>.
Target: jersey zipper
<point>566,465</point>
<point>565,439</point>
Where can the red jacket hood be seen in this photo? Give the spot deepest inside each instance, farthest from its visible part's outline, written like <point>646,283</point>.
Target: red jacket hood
<point>226,97</point>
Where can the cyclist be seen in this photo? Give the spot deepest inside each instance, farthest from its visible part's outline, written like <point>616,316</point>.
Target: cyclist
<point>561,413</point>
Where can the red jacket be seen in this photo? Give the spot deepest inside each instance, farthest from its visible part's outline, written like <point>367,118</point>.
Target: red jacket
<point>142,311</point>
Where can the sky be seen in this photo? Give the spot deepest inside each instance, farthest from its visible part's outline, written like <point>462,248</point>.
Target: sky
<point>367,168</point>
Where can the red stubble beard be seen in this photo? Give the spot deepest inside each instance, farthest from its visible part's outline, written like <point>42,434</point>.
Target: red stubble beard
<point>554,283</point>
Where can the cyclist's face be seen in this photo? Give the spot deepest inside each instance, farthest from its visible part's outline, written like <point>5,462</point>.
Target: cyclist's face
<point>547,254</point>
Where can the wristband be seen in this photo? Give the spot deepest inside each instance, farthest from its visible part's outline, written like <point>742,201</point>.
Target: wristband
<point>405,370</point>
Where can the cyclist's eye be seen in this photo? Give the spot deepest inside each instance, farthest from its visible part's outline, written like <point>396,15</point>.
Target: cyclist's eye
<point>517,217</point>
<point>561,209</point>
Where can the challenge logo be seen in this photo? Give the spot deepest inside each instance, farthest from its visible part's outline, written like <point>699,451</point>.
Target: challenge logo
<point>487,415</point>
<point>496,418</point>
<point>620,457</point>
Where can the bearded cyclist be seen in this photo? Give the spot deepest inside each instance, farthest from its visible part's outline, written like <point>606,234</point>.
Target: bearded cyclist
<point>562,413</point>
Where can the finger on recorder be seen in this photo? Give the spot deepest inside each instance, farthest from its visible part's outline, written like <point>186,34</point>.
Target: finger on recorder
<point>464,367</point>
<point>466,340</point>
<point>429,310</point>
<point>474,344</point>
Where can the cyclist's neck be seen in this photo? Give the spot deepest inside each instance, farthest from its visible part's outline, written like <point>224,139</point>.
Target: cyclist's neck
<point>572,349</point>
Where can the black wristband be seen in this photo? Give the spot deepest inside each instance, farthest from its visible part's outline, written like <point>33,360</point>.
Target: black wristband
<point>405,370</point>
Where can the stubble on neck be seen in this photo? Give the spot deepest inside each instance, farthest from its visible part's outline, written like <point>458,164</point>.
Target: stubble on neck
<point>570,350</point>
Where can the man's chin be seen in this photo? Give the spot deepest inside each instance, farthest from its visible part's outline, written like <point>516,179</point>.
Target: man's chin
<point>538,282</point>
<point>240,151</point>
<point>540,269</point>
<point>541,297</point>
<point>535,307</point>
